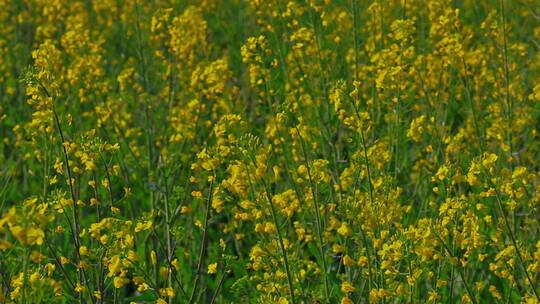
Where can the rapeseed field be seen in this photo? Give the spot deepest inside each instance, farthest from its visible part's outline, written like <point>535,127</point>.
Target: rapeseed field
<point>269,151</point>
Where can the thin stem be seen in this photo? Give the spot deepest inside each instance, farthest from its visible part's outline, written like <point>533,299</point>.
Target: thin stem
<point>317,215</point>
<point>460,271</point>
<point>364,147</point>
<point>507,83</point>
<point>214,297</point>
<point>203,241</point>
<point>75,227</point>
<point>281,244</point>
<point>513,239</point>
<point>279,234</point>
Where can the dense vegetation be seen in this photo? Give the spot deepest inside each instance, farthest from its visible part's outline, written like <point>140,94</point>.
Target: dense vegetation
<point>254,151</point>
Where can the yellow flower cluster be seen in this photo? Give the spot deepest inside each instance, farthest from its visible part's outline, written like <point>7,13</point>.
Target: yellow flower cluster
<point>269,151</point>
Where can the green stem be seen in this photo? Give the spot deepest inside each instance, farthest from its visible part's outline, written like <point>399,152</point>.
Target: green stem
<point>317,215</point>
<point>203,241</point>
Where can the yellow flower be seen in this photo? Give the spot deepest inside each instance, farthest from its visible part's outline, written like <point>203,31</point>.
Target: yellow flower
<point>30,236</point>
<point>34,277</point>
<point>433,296</point>
<point>212,268</point>
<point>347,287</point>
<point>348,261</point>
<point>166,292</point>
<point>344,230</point>
<point>346,300</point>
<point>197,194</point>
<point>115,265</point>
<point>141,226</point>
<point>120,281</point>
<point>176,264</point>
<point>143,287</point>
<point>49,268</point>
<point>441,173</point>
<point>79,288</point>
<point>83,250</point>
<point>336,248</point>
<point>64,260</point>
